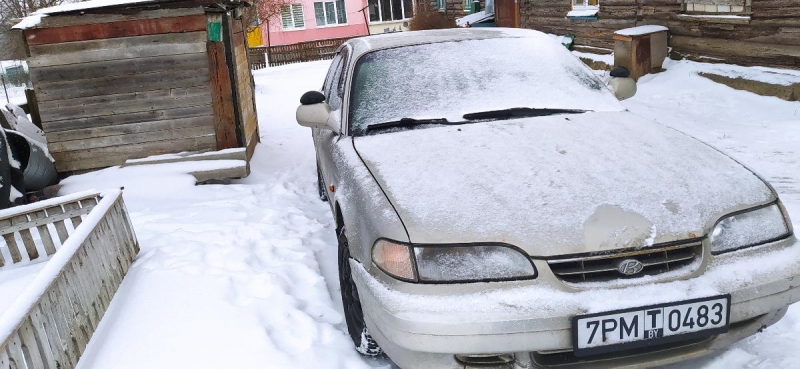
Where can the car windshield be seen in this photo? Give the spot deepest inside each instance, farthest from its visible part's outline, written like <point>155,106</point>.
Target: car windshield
<point>450,79</point>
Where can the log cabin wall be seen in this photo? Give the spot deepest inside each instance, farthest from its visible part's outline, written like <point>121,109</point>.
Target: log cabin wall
<point>551,16</point>
<point>117,86</point>
<point>763,32</point>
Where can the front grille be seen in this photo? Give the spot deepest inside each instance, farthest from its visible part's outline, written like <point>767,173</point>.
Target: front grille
<point>604,267</point>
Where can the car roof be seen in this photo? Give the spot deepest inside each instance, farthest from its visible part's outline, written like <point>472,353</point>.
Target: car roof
<point>363,45</point>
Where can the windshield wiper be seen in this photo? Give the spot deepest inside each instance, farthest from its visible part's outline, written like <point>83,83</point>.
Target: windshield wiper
<point>405,122</point>
<point>519,113</point>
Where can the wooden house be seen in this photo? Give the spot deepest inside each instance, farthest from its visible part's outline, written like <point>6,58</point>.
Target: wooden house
<point>123,79</point>
<point>746,32</point>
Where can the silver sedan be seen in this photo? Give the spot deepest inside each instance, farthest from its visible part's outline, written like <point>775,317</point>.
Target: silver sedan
<point>496,206</point>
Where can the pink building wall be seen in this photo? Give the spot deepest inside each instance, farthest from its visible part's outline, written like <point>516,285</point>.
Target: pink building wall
<point>355,26</point>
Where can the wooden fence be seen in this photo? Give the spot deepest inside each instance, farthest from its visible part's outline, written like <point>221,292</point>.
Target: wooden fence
<point>294,53</point>
<point>92,244</point>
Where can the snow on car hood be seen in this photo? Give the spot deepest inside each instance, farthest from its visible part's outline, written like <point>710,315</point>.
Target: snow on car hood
<point>558,185</point>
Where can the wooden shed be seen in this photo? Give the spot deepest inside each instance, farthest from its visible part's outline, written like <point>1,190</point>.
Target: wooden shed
<point>122,79</point>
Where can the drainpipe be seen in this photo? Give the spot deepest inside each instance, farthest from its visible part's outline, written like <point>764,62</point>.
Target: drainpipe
<point>365,17</point>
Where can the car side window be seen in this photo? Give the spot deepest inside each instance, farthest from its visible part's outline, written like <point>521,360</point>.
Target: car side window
<point>343,73</point>
<point>334,96</point>
<point>326,88</point>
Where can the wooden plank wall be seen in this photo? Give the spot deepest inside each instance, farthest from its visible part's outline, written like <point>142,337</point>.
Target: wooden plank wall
<point>771,37</point>
<point>112,87</point>
<point>244,85</point>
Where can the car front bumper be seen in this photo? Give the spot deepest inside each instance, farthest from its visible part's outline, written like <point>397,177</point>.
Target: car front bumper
<point>425,326</point>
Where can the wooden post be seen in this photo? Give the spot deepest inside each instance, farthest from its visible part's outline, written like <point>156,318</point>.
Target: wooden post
<point>222,101</point>
<point>33,107</point>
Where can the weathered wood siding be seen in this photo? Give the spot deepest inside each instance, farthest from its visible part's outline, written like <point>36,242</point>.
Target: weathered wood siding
<point>112,87</point>
<point>236,122</point>
<point>770,37</point>
<point>244,86</point>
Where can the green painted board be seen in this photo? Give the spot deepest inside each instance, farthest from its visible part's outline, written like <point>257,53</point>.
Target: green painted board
<point>214,31</point>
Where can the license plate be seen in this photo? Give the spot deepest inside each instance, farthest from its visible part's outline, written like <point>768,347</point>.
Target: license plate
<point>611,331</point>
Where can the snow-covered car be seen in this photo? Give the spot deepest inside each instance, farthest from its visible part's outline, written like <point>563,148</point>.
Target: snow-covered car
<point>496,206</point>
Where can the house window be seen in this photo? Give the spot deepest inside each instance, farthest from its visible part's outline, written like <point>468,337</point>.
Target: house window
<point>330,13</point>
<point>713,8</point>
<point>292,16</point>
<point>390,10</point>
<point>585,3</point>
<point>584,9</point>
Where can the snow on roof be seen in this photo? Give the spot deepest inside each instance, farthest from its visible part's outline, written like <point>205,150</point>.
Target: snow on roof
<point>474,18</point>
<point>30,21</point>
<point>35,18</point>
<point>641,30</point>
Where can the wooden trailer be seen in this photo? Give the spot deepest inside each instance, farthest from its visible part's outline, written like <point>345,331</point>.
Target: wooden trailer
<point>124,79</point>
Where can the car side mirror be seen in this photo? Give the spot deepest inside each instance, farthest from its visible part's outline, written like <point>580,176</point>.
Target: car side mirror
<point>621,83</point>
<point>314,112</point>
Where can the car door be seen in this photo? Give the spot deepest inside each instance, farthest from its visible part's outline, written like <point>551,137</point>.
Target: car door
<point>334,96</point>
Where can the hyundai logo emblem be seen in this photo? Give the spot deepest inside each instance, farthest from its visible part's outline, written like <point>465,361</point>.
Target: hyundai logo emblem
<point>630,267</point>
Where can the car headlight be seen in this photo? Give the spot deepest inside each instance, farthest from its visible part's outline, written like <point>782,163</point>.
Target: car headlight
<point>452,263</point>
<point>749,228</point>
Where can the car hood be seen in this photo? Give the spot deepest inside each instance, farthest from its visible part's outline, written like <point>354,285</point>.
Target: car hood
<point>558,185</point>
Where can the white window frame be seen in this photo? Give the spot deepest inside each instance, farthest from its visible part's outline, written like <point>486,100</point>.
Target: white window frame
<point>325,13</point>
<point>402,10</point>
<point>715,9</point>
<point>584,5</point>
<point>292,9</point>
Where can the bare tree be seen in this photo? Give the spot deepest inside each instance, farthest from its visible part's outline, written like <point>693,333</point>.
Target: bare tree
<point>268,11</point>
<point>15,9</point>
<point>12,11</point>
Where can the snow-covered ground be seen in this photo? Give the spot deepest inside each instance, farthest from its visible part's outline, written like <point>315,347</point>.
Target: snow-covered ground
<point>244,275</point>
<point>13,281</point>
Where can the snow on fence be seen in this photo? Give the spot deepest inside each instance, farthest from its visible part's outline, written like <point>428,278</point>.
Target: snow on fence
<point>294,53</point>
<point>92,244</point>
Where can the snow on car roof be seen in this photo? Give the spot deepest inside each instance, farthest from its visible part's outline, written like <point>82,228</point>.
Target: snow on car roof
<point>363,45</point>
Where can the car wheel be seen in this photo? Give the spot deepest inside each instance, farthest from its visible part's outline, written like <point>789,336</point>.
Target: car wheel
<point>353,315</point>
<point>323,195</point>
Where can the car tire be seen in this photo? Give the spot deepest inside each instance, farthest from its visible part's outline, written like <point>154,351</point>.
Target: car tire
<point>351,304</point>
<point>323,195</point>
